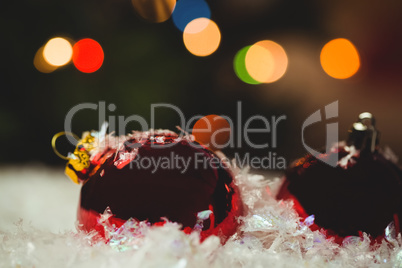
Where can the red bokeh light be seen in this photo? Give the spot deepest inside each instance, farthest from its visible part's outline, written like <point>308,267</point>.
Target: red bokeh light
<point>87,55</point>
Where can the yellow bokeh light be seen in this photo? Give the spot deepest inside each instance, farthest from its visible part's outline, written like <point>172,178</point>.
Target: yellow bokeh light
<point>340,58</point>
<point>40,64</point>
<point>202,37</point>
<point>58,51</point>
<point>259,63</point>
<point>266,61</point>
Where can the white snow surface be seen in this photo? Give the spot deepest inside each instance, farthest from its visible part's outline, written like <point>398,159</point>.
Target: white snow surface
<point>37,229</point>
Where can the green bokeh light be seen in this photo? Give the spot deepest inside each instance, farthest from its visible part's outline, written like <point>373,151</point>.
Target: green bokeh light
<point>239,65</point>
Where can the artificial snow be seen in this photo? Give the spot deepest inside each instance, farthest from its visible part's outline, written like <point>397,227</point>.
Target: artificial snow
<point>37,229</point>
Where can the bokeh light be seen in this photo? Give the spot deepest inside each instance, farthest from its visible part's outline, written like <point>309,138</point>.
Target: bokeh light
<point>280,63</point>
<point>87,55</point>
<point>259,63</point>
<point>212,131</point>
<point>154,10</point>
<point>188,10</point>
<point>41,64</point>
<point>266,61</point>
<point>202,37</point>
<point>58,51</point>
<point>340,58</point>
<point>240,69</point>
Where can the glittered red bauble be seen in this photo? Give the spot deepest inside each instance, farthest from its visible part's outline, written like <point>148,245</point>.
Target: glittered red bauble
<point>362,193</point>
<point>160,175</point>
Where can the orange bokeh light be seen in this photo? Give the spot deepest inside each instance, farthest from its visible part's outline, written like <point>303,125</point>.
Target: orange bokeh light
<point>212,131</point>
<point>280,59</point>
<point>41,64</point>
<point>340,58</point>
<point>202,37</point>
<point>154,10</point>
<point>266,61</point>
<point>87,55</point>
<point>259,63</point>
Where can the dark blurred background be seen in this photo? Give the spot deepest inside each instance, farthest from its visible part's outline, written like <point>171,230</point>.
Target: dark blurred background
<point>147,63</point>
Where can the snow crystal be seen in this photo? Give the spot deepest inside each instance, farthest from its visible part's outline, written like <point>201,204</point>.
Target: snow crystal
<point>270,235</point>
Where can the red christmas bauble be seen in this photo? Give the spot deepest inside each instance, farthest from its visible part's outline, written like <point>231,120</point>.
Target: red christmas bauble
<point>362,193</point>
<point>155,175</point>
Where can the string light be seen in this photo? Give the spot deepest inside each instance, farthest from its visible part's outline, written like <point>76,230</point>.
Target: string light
<point>58,51</point>
<point>41,64</point>
<point>263,62</point>
<point>188,10</point>
<point>239,64</point>
<point>202,37</point>
<point>340,58</point>
<point>87,55</point>
<point>154,10</point>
